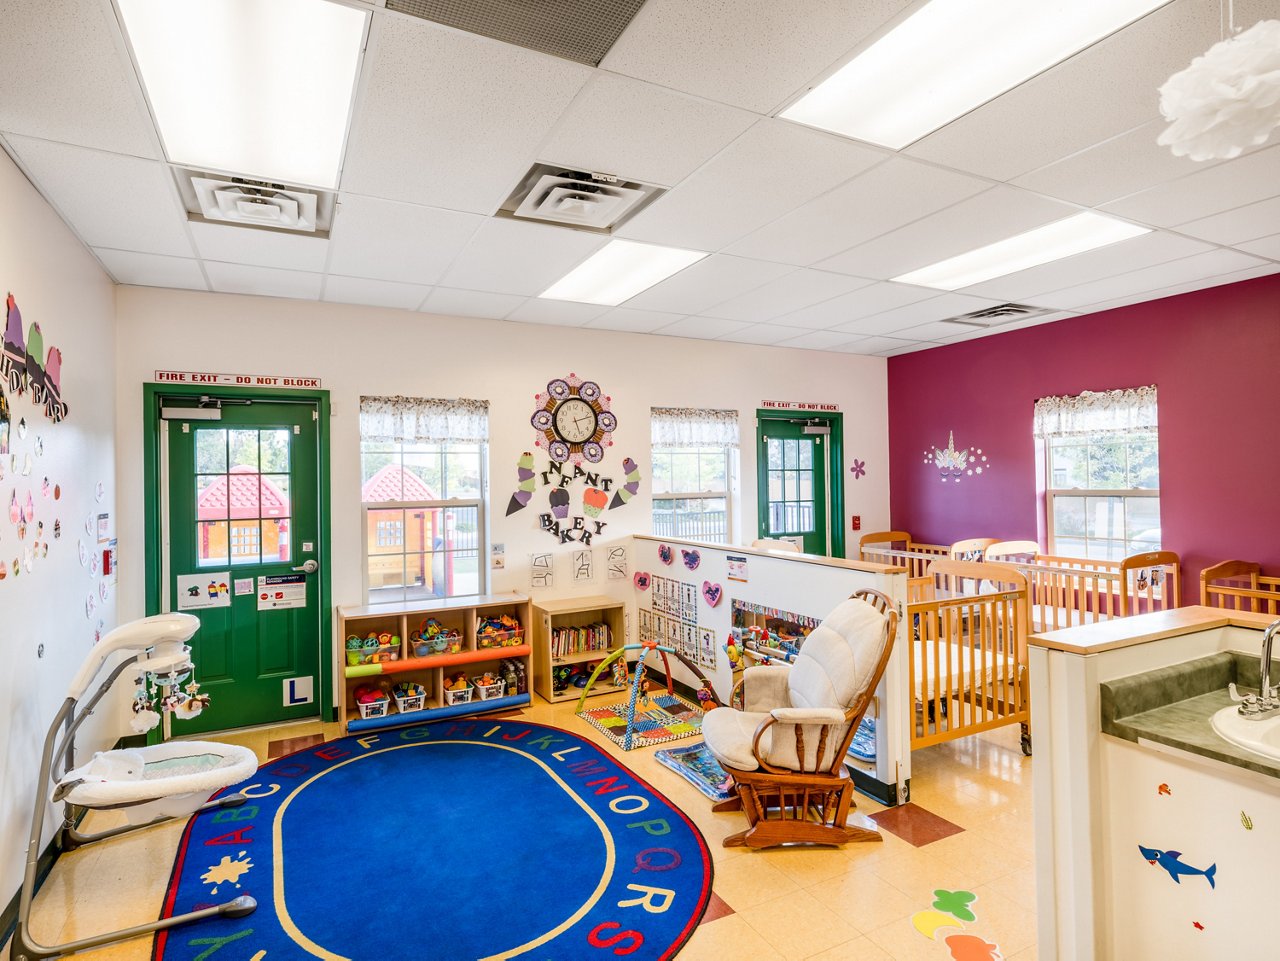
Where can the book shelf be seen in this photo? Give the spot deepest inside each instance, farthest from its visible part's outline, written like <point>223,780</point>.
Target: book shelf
<point>462,614</point>
<point>563,636</point>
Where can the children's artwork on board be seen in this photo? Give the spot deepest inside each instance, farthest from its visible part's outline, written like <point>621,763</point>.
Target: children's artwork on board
<point>706,647</point>
<point>737,568</point>
<point>689,603</point>
<point>659,585</point>
<point>689,641</point>
<point>25,366</point>
<point>953,464</point>
<point>584,566</point>
<point>542,574</point>
<point>646,625</point>
<point>615,563</point>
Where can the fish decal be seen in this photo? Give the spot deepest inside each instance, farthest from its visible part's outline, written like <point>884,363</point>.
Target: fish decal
<point>1171,861</point>
<point>1164,789</point>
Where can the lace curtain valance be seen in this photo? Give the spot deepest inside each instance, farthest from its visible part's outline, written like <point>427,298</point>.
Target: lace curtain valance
<point>693,427</point>
<point>423,420</point>
<point>1126,411</point>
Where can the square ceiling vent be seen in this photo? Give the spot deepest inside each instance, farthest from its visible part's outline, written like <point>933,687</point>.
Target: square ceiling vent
<point>218,198</point>
<point>997,316</point>
<point>581,30</point>
<point>557,195</point>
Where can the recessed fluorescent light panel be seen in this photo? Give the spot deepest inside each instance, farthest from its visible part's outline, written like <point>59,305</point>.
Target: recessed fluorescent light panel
<point>1063,238</point>
<point>951,56</point>
<point>261,89</point>
<point>620,270</point>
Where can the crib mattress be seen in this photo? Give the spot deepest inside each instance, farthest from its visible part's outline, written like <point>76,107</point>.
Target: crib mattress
<point>1046,617</point>
<point>960,669</point>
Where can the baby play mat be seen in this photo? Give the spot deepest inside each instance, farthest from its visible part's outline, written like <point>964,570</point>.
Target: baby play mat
<point>697,765</point>
<point>455,840</point>
<point>667,717</point>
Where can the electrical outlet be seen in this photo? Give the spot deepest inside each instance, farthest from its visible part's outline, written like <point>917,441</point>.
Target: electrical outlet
<point>857,522</point>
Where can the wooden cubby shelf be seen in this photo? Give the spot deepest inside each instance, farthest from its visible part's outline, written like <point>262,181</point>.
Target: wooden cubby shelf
<point>550,616</point>
<point>459,613</point>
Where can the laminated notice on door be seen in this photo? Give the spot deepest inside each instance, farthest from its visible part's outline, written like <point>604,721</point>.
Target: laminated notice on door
<point>282,591</point>
<point>198,592</point>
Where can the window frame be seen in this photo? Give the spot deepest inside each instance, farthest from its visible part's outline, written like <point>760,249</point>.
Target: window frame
<point>479,503</point>
<point>1051,493</point>
<point>727,451</point>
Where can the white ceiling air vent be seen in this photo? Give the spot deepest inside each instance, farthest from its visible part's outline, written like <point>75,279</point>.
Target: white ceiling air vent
<point>558,195</point>
<point>216,198</point>
<point>997,316</point>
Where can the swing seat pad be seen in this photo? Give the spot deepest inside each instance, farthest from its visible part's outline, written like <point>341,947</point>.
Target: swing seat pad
<point>137,775</point>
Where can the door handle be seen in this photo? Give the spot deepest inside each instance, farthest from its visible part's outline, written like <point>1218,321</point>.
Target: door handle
<point>308,567</point>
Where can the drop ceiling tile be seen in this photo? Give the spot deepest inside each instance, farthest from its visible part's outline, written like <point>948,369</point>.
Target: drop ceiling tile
<point>1101,92</point>
<point>373,293</point>
<point>108,199</point>
<point>263,281</point>
<point>765,173</point>
<point>873,345</point>
<point>791,292</point>
<point>910,348</point>
<point>752,53</point>
<point>1234,227</point>
<point>1221,187</point>
<point>819,340</point>
<point>152,270</point>
<point>1145,250</point>
<point>636,321</point>
<point>760,334</point>
<point>710,281</point>
<point>882,199</point>
<point>703,328</point>
<point>873,299</point>
<point>1157,278</point>
<point>512,257</point>
<point>383,240</point>
<point>936,331</point>
<point>563,313</point>
<point>1112,169</point>
<point>262,248</point>
<point>1218,280</point>
<point>985,218</point>
<point>450,119</point>
<point>452,302</point>
<point>641,131</point>
<point>936,307</point>
<point>66,78</point>
<point>1266,247</point>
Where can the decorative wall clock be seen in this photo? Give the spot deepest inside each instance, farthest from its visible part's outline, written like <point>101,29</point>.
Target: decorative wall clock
<point>573,420</point>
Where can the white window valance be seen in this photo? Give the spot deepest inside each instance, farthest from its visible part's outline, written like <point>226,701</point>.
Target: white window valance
<point>423,420</point>
<point>1127,411</point>
<point>693,427</point>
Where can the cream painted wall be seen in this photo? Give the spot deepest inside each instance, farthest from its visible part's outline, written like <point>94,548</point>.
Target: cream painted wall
<point>58,284</point>
<point>364,350</point>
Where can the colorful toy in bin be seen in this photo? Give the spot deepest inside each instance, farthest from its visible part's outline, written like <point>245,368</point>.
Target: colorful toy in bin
<point>432,637</point>
<point>501,631</point>
<point>410,696</point>
<point>457,690</point>
<point>487,685</point>
<point>372,700</point>
<point>372,649</point>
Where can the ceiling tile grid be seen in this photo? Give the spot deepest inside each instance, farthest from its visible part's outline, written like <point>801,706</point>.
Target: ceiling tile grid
<point>383,240</point>
<point>152,270</point>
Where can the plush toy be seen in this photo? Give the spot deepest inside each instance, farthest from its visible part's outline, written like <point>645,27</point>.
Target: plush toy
<point>733,652</point>
<point>145,716</point>
<point>706,698</point>
<point>457,682</point>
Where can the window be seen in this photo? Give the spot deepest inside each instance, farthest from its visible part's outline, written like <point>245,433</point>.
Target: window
<point>242,495</point>
<point>423,469</point>
<point>695,456</point>
<point>1102,472</point>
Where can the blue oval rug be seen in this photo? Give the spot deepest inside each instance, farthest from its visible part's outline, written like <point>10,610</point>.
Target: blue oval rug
<point>453,841</point>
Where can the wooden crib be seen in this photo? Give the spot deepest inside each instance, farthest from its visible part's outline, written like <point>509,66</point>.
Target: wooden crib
<point>1240,586</point>
<point>968,667</point>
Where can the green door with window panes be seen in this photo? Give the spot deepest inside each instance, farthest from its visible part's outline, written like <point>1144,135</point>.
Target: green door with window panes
<point>793,466</point>
<point>243,534</point>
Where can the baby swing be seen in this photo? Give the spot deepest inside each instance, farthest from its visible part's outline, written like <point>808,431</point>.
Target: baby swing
<point>150,784</point>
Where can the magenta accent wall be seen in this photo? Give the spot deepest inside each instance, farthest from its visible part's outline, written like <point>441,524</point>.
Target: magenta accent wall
<point>1215,357</point>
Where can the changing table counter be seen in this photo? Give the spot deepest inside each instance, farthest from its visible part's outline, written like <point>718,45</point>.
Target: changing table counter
<point>1125,632</point>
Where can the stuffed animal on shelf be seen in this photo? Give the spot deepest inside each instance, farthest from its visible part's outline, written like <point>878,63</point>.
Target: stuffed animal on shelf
<point>706,697</point>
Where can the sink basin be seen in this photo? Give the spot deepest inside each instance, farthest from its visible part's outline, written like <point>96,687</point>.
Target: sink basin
<point>1260,737</point>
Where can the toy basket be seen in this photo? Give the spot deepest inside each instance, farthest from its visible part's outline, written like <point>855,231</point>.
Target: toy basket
<point>373,655</point>
<point>457,697</point>
<point>411,703</point>
<point>486,692</point>
<point>511,638</point>
<point>378,708</point>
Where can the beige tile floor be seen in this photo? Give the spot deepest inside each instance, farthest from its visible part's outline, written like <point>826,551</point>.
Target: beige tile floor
<point>821,904</point>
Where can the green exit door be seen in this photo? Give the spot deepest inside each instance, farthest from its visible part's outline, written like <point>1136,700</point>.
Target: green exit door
<point>241,531</point>
<point>798,462</point>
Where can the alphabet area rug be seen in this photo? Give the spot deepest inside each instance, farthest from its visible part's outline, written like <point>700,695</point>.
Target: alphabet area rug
<point>462,839</point>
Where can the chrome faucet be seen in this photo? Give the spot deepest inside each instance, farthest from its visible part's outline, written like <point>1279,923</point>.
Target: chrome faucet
<point>1266,703</point>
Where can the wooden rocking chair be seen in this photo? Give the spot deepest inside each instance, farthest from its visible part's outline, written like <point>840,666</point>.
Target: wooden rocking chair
<point>786,749</point>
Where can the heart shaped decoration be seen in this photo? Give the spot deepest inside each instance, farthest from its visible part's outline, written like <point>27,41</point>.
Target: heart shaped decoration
<point>641,580</point>
<point>711,593</point>
<point>691,559</point>
<point>664,554</point>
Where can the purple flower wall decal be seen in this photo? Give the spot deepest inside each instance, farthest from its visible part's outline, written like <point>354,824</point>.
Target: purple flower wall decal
<point>859,468</point>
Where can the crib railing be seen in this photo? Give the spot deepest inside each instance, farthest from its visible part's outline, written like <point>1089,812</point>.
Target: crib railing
<point>1240,586</point>
<point>967,672</point>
